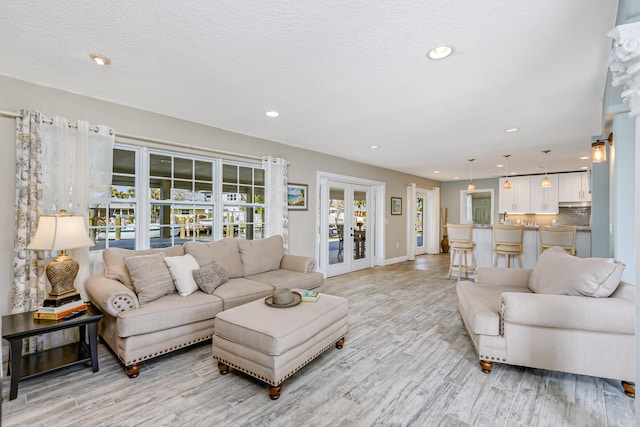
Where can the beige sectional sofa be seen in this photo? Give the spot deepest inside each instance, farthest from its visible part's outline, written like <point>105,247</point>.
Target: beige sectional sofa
<point>567,314</point>
<point>138,331</point>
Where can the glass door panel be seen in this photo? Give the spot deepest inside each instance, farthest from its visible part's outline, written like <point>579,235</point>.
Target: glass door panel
<point>336,223</point>
<point>360,222</point>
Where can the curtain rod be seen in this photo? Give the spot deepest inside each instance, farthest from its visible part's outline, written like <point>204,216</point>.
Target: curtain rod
<point>13,115</point>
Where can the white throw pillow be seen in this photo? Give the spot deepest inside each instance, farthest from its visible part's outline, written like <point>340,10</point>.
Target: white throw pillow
<point>181,268</point>
<point>557,272</point>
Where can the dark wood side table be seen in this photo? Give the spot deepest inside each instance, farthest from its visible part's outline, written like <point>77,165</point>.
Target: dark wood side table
<point>15,327</point>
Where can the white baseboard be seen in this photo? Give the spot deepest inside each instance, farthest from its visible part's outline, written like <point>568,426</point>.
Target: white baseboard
<point>396,260</point>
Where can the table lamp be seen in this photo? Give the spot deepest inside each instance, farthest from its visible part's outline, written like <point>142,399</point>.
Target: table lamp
<point>59,233</point>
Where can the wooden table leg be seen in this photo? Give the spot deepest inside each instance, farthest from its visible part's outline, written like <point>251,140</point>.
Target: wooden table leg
<point>15,352</point>
<point>93,345</point>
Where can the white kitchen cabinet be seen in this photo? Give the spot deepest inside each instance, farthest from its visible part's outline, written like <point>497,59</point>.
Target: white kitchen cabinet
<point>574,187</point>
<point>518,199</point>
<point>544,200</point>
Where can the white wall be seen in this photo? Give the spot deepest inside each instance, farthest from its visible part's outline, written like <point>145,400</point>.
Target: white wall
<point>18,95</point>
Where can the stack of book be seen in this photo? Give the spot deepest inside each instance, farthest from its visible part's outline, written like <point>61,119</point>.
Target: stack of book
<point>64,311</point>
<point>309,296</point>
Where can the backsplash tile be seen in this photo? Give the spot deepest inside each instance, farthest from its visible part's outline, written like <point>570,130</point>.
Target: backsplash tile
<point>577,215</point>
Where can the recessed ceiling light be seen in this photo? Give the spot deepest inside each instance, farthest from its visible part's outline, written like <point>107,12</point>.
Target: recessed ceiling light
<point>272,113</point>
<point>585,158</point>
<point>436,171</point>
<point>374,147</point>
<point>439,52</point>
<point>584,167</point>
<point>99,59</point>
<point>499,166</point>
<point>511,130</point>
<point>456,177</point>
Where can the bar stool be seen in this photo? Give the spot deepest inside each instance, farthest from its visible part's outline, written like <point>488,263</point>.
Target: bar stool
<point>461,244</point>
<point>560,235</point>
<point>507,241</point>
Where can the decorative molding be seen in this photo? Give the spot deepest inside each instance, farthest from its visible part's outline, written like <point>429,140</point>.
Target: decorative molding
<point>624,63</point>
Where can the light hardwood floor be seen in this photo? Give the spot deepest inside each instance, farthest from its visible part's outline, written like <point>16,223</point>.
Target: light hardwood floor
<point>406,361</point>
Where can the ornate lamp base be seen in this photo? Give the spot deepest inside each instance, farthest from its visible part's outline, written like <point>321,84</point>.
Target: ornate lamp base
<point>62,273</point>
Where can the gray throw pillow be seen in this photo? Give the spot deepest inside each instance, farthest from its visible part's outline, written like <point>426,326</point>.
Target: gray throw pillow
<point>150,276</point>
<point>210,277</point>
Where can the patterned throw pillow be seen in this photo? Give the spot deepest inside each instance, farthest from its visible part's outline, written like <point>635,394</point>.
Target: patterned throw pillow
<point>210,277</point>
<point>150,276</point>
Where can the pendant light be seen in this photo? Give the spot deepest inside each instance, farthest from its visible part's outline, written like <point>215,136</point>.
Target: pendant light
<point>546,182</point>
<point>506,185</point>
<point>471,185</point>
<point>598,152</point>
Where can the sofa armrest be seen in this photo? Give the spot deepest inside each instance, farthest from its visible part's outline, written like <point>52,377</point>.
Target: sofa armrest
<point>110,296</point>
<point>503,276</point>
<point>612,315</point>
<point>301,264</point>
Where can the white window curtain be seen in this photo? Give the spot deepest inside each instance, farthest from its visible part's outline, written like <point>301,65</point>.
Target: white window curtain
<point>277,216</point>
<point>77,168</point>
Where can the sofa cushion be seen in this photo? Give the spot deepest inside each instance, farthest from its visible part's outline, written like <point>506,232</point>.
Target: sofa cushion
<point>181,269</point>
<point>480,305</point>
<point>225,252</point>
<point>115,268</point>
<point>289,279</point>
<point>170,311</point>
<point>209,277</point>
<point>150,276</point>
<point>261,255</point>
<point>240,291</point>
<point>557,272</point>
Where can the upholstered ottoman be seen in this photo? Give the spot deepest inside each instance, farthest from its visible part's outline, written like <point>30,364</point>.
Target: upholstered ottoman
<point>271,344</point>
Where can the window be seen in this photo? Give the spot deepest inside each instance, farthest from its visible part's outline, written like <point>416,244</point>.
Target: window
<point>243,201</point>
<point>160,198</point>
<point>113,225</point>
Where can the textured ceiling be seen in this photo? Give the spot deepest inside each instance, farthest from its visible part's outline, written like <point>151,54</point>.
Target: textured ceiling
<point>343,74</point>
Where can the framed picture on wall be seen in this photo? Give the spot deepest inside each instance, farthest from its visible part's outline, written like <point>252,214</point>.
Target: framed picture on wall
<point>396,206</point>
<point>297,197</point>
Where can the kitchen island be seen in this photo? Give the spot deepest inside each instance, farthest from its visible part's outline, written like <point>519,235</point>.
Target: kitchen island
<point>483,238</point>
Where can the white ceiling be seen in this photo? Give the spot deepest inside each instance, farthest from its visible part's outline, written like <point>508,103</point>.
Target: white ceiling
<point>343,74</point>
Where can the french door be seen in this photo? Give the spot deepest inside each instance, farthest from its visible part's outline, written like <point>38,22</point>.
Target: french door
<point>346,227</point>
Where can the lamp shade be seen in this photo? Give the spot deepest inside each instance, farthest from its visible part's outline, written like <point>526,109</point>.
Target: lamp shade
<point>55,233</point>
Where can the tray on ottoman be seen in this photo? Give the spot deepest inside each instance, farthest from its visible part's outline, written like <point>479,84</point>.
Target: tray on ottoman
<point>271,344</point>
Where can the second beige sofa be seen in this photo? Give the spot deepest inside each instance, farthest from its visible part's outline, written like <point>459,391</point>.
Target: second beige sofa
<point>137,332</point>
<point>567,314</point>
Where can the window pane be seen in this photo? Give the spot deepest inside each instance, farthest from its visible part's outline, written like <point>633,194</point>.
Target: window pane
<point>124,161</point>
<point>204,224</point>
<point>160,189</point>
<point>229,173</point>
<point>123,187</point>
<point>258,195</point>
<point>121,230</point>
<point>160,165</point>
<point>182,190</point>
<point>258,176</point>
<point>204,171</point>
<point>183,168</point>
<point>246,175</point>
<point>246,194</point>
<point>204,192</point>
